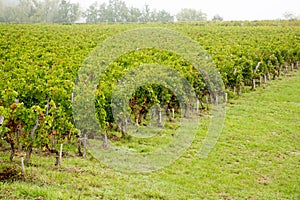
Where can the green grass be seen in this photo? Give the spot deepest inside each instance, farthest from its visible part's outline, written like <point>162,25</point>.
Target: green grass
<point>257,157</point>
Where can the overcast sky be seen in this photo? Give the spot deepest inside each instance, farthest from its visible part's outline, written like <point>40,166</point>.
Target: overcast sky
<point>228,9</point>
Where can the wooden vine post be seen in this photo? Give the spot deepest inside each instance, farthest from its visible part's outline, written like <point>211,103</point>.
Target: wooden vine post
<point>104,139</point>
<point>60,154</point>
<point>29,149</point>
<point>254,72</point>
<point>265,78</point>
<point>22,165</point>
<point>173,113</point>
<point>159,117</point>
<point>84,144</point>
<point>225,97</point>
<point>197,106</point>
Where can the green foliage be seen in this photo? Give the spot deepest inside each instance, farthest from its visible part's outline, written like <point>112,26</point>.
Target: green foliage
<point>256,157</point>
<point>217,18</point>
<point>40,11</point>
<point>148,95</point>
<point>188,14</point>
<point>33,86</point>
<point>118,11</point>
<point>39,63</point>
<point>67,12</point>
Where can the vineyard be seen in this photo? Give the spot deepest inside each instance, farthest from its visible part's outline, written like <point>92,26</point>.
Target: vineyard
<point>39,66</point>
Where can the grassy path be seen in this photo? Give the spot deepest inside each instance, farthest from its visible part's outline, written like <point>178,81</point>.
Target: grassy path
<point>257,157</point>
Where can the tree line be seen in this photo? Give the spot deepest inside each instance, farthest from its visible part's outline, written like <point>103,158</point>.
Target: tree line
<point>63,11</point>
<point>36,11</point>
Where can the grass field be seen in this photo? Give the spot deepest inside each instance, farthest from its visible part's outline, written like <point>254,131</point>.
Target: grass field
<point>257,157</point>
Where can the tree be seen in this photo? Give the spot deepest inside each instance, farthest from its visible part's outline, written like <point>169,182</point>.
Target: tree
<point>134,14</point>
<point>188,14</point>
<point>289,16</point>
<point>92,13</point>
<point>67,12</point>
<point>146,14</point>
<point>164,16</point>
<point>50,8</point>
<point>117,11</point>
<point>1,11</point>
<point>161,16</point>
<point>217,18</point>
<point>7,11</point>
<point>35,11</point>
<point>9,14</point>
<point>121,11</point>
<point>38,11</point>
<point>26,11</point>
<point>103,14</point>
<point>114,11</point>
